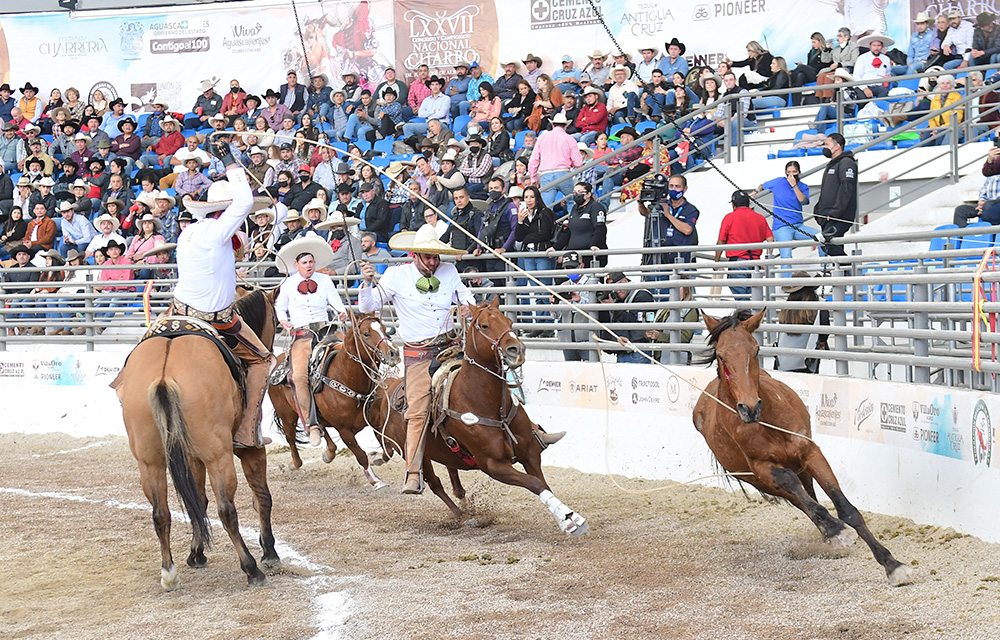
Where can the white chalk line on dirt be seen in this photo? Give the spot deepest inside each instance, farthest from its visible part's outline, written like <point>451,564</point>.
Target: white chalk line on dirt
<point>100,443</point>
<point>332,606</point>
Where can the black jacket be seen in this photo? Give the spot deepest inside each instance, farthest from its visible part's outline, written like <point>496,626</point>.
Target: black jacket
<point>838,195</point>
<point>584,228</point>
<point>412,215</point>
<point>300,97</point>
<point>635,296</point>
<point>536,234</point>
<point>299,196</point>
<point>469,219</point>
<point>378,219</point>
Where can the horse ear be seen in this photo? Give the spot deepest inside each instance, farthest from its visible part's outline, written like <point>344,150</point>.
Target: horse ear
<point>710,322</point>
<point>495,303</point>
<point>272,295</point>
<point>752,323</point>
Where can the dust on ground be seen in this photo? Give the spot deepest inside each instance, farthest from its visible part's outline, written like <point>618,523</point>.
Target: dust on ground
<point>81,561</point>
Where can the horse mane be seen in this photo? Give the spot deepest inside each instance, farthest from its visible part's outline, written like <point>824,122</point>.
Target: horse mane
<point>725,324</point>
<point>253,310</point>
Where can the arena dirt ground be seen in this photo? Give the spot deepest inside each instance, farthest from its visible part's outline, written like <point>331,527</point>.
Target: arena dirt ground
<point>80,561</point>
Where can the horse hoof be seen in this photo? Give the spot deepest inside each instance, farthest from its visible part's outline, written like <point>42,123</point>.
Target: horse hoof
<point>270,563</point>
<point>197,560</point>
<point>845,539</point>
<point>296,464</point>
<point>170,579</point>
<point>900,575</point>
<point>574,524</point>
<point>376,459</point>
<point>327,456</point>
<point>257,580</point>
<point>379,485</point>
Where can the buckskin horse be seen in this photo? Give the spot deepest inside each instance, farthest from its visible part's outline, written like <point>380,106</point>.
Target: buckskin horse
<point>483,427</point>
<point>348,381</point>
<point>774,462</point>
<point>181,407</point>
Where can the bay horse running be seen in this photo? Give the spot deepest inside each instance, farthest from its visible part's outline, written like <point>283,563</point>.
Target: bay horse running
<point>781,464</point>
<point>181,408</point>
<point>347,385</point>
<point>482,412</point>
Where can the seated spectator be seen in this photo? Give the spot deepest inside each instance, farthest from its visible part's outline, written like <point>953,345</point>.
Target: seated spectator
<point>623,316</point>
<point>96,133</point>
<point>207,105</point>
<point>389,114</point>
<point>371,251</point>
<point>874,66</point>
<point>418,90</point>
<point>655,94</point>
<point>141,249</point>
<point>777,81</point>
<point>179,161</point>
<point>13,231</point>
<point>261,134</point>
<point>548,102</point>
<point>76,229</point>
<point>127,144</point>
<point>919,49</point>
<point>152,130</point>
<point>18,274</point>
<point>674,61</point>
<point>623,96</point>
<point>457,88</point>
<point>362,120</point>
<point>109,124</point>
<point>436,105</point>
<point>619,165</point>
<point>758,64</point>
<point>167,145</point>
<point>375,214</point>
<point>959,41</point>
<point>486,107</point>
<point>476,165</point>
<point>412,212</point>
<point>520,106</point>
<point>233,104</point>
<point>274,113</point>
<point>11,148</point>
<point>810,340</point>
<point>505,85</point>
<point>44,196</point>
<point>985,41</point>
<point>567,78</point>
<point>60,305</point>
<point>6,195</point>
<point>398,96</point>
<point>62,144</point>
<point>113,253</point>
<point>827,113</point>
<point>30,104</point>
<point>303,191</point>
<point>941,124</point>
<point>988,207</point>
<point>41,231</point>
<point>192,184</point>
<point>498,142</point>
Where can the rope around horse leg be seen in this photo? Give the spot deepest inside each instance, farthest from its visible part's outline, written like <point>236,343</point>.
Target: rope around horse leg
<point>529,276</point>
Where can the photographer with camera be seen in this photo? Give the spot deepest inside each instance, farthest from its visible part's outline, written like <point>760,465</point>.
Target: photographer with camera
<point>670,218</point>
<point>838,195</point>
<point>615,315</point>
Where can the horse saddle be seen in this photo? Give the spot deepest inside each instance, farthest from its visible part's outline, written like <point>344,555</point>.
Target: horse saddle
<point>443,369</point>
<point>325,348</point>
<point>176,326</point>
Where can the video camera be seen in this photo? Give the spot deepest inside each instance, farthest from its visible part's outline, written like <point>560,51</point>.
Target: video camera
<point>654,189</point>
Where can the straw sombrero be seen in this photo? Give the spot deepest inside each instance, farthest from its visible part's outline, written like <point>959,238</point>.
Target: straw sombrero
<point>310,243</point>
<point>423,240</point>
<point>108,218</point>
<point>161,246</point>
<point>337,219</point>
<point>220,196</point>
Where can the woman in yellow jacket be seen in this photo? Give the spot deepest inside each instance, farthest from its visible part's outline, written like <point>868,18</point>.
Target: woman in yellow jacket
<point>946,85</point>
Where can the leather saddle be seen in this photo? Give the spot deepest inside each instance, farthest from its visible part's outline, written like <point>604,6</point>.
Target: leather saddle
<point>443,370</point>
<point>176,326</point>
<point>325,348</point>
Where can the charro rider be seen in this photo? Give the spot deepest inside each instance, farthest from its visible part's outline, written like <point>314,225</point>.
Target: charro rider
<point>206,281</point>
<point>423,292</point>
<point>302,310</point>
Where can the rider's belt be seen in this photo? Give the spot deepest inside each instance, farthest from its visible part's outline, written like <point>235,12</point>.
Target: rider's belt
<point>413,353</point>
<point>307,331</point>
<point>224,317</point>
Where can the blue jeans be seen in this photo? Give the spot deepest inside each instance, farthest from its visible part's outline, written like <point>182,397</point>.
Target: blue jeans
<point>657,103</point>
<point>586,138</point>
<point>355,129</point>
<point>150,159</point>
<point>613,177</point>
<point>110,303</point>
<point>10,167</point>
<point>534,299</point>
<point>632,357</point>
<point>785,233</point>
<point>563,189</point>
<point>463,108</point>
<point>733,272</point>
<point>769,102</point>
<point>953,64</point>
<point>61,308</point>
<point>66,246</point>
<point>414,129</point>
<point>631,104</point>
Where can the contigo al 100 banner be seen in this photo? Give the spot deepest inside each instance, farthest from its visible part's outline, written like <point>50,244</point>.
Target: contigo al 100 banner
<point>143,55</point>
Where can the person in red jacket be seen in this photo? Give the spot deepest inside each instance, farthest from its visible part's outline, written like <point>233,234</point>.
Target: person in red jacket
<point>593,117</point>
<point>742,226</point>
<point>233,105</point>
<point>158,154</point>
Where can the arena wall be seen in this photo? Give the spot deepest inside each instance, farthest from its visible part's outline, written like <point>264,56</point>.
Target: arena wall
<point>921,452</point>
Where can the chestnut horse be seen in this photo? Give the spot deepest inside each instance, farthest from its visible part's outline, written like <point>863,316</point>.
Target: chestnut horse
<point>181,408</point>
<point>350,379</point>
<point>776,463</point>
<point>480,396</point>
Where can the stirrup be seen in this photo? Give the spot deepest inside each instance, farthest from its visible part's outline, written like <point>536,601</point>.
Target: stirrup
<point>420,483</point>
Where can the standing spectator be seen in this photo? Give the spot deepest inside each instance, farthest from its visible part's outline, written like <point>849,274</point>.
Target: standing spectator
<point>671,223</point>
<point>292,94</point>
<point>463,215</point>
<point>623,96</point>
<point>534,231</point>
<point>742,226</point>
<point>497,226</point>
<point>565,314</point>
<point>789,195</point>
<point>644,68</point>
<point>207,105</point>
<point>555,155</point>
<point>153,128</point>
<point>457,88</point>
<point>505,85</point>
<point>805,340</point>
<point>417,91</point>
<point>838,196</point>
<point>6,194</point>
<point>874,66</point>
<point>674,60</point>
<point>958,42</point>
<point>532,69</point>
<point>585,229</point>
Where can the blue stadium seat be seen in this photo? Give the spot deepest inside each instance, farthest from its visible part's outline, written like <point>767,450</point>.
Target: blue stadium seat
<point>615,129</point>
<point>519,139</point>
<point>339,145</point>
<point>141,120</point>
<point>364,145</point>
<point>380,161</point>
<point>383,146</point>
<point>981,241</point>
<point>644,126</point>
<point>791,153</point>
<point>937,244</point>
<point>805,132</point>
<point>460,123</point>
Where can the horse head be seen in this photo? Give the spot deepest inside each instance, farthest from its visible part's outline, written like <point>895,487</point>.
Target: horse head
<point>375,344</point>
<point>736,355</point>
<point>500,344</point>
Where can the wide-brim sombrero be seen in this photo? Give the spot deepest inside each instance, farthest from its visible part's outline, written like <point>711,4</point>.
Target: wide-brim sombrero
<point>423,240</point>
<point>220,196</point>
<point>315,245</point>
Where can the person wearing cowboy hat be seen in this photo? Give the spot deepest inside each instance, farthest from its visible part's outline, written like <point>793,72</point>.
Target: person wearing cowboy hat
<point>114,115</point>
<point>422,292</point>
<point>260,226</point>
<point>127,144</point>
<point>162,205</point>
<point>919,48</point>
<point>623,96</point>
<point>314,212</point>
<point>192,184</point>
<point>958,42</point>
<point>295,227</point>
<point>30,104</point>
<point>301,309</point>
<point>874,66</point>
<point>644,68</point>
<point>44,196</point>
<point>674,61</point>
<point>37,151</point>
<point>555,154</point>
<point>346,202</point>
<point>352,89</point>
<point>506,83</point>
<point>114,256</point>
<point>207,105</point>
<point>184,220</point>
<point>985,41</point>
<point>320,97</point>
<point>274,112</point>
<point>346,245</point>
<point>18,273</point>
<point>62,143</point>
<point>170,141</point>
<point>804,340</point>
<point>600,73</point>
<point>532,69</point>
<point>7,103</point>
<point>76,228</point>
<point>143,242</point>
<point>11,147</point>
<point>152,129</point>
<point>206,281</point>
<point>476,165</point>
<point>435,106</point>
<point>107,226</point>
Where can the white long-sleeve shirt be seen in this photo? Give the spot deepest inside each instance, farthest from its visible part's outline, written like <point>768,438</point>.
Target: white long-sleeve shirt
<point>864,68</point>
<point>302,309</point>
<point>960,38</point>
<point>421,315</point>
<point>206,263</point>
<point>616,94</point>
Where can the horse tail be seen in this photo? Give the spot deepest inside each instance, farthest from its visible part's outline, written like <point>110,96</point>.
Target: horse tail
<point>164,400</point>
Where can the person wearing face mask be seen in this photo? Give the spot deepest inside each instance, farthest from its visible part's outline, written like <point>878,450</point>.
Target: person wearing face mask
<point>343,239</point>
<point>565,314</point>
<point>476,165</point>
<point>497,226</point>
<point>303,191</point>
<point>233,104</point>
<point>585,229</point>
<point>670,223</point>
<point>837,207</point>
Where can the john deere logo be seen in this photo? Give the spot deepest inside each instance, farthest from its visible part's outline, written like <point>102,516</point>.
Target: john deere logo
<point>982,434</point>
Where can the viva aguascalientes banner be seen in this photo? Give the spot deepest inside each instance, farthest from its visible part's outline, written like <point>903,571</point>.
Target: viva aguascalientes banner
<point>145,55</point>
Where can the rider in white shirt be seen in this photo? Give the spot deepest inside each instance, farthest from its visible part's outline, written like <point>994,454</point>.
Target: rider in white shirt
<point>206,282</point>
<point>302,310</point>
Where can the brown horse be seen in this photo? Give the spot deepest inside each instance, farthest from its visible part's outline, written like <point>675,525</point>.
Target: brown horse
<point>349,381</point>
<point>481,404</point>
<point>782,464</point>
<point>181,408</point>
